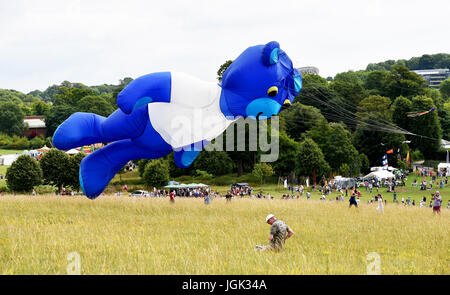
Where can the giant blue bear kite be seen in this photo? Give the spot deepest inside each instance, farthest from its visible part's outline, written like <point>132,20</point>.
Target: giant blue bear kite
<point>156,114</point>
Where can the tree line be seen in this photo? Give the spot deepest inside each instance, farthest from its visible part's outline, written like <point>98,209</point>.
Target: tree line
<point>424,62</point>
<point>55,168</point>
<point>341,125</point>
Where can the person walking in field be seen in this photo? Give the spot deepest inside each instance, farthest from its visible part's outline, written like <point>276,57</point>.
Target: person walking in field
<point>228,196</point>
<point>380,204</point>
<point>279,233</point>
<point>207,199</point>
<point>353,201</point>
<point>437,203</point>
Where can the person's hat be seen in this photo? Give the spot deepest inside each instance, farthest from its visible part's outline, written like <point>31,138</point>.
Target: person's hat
<point>269,217</point>
<point>437,192</point>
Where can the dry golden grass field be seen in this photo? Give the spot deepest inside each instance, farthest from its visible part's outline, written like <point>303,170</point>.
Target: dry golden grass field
<point>124,235</point>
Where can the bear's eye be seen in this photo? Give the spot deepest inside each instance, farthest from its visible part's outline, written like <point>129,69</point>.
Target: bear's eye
<point>272,91</point>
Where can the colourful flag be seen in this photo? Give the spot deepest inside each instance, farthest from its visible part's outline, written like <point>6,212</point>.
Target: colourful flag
<point>407,159</point>
<point>391,151</point>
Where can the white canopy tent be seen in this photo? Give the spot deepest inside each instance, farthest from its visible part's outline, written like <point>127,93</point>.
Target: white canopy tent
<point>72,152</point>
<point>442,166</point>
<point>8,159</point>
<point>380,174</point>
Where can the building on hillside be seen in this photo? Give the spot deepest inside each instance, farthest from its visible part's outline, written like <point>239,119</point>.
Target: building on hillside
<point>309,70</point>
<point>36,126</point>
<point>434,77</point>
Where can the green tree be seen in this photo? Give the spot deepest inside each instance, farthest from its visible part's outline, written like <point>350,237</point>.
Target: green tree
<point>375,143</point>
<point>74,171</point>
<point>358,77</point>
<point>24,174</point>
<point>335,141</point>
<point>299,118</point>
<point>95,104</point>
<point>399,81</point>
<point>426,61</point>
<point>444,88</point>
<point>56,116</point>
<point>288,150</point>
<point>427,125</point>
<point>344,170</point>
<point>375,107</point>
<point>403,82</point>
<point>40,108</point>
<point>377,80</point>
<point>222,69</point>
<point>156,173</point>
<point>203,174</point>
<point>351,92</point>
<point>308,79</point>
<point>364,164</point>
<point>26,110</point>
<point>214,162</point>
<point>37,142</point>
<point>443,113</point>
<point>245,160</point>
<point>141,166</point>
<point>323,98</point>
<point>310,159</point>
<point>400,108</point>
<point>261,171</point>
<point>56,170</point>
<point>11,119</point>
<point>71,96</point>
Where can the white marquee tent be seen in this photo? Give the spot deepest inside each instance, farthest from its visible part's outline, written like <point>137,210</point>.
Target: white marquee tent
<point>380,174</point>
<point>8,159</point>
<point>72,152</point>
<point>444,166</point>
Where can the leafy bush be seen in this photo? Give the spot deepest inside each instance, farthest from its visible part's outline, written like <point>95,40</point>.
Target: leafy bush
<point>4,189</point>
<point>24,174</point>
<point>18,143</point>
<point>45,189</point>
<point>262,171</point>
<point>56,170</point>
<point>141,166</point>
<point>215,162</point>
<point>36,143</point>
<point>128,181</point>
<point>156,173</point>
<point>21,143</point>
<point>203,174</point>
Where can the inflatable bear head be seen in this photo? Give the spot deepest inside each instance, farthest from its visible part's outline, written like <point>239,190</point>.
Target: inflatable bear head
<point>259,83</point>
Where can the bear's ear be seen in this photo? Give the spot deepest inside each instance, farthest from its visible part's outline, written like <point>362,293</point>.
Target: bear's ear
<point>270,53</point>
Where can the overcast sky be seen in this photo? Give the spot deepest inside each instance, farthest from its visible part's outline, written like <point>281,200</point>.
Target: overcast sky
<point>95,42</point>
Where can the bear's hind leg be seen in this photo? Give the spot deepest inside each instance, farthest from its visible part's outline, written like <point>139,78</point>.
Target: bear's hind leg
<point>97,169</point>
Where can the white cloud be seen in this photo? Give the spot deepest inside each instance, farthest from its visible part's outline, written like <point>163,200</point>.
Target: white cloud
<point>94,42</point>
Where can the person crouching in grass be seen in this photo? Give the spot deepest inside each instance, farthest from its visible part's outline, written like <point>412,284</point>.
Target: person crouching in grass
<point>279,233</point>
